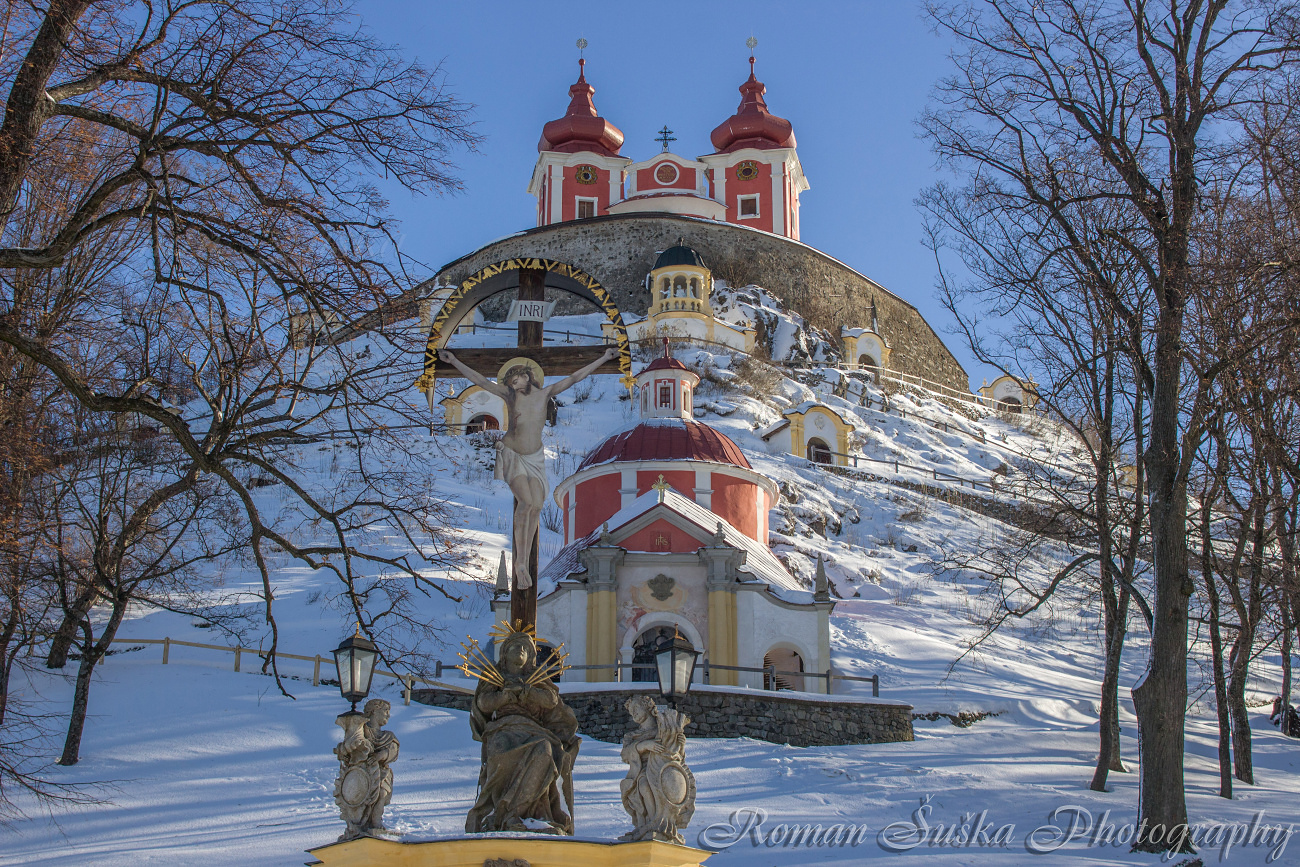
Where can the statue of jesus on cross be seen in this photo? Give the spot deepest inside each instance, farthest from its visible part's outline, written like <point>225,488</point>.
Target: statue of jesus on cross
<point>521,459</point>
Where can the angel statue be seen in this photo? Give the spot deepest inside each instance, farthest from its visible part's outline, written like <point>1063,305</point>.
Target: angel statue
<point>659,790</point>
<point>365,782</point>
<point>529,738</point>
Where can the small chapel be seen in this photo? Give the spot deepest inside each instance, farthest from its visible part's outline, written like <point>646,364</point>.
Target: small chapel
<point>665,532</point>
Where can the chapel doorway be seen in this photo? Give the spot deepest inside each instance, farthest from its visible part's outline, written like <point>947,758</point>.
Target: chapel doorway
<point>785,661</point>
<point>482,422</point>
<point>867,363</point>
<point>643,652</point>
<point>819,452</point>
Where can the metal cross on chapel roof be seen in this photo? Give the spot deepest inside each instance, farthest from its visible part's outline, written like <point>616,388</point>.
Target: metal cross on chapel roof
<point>665,136</point>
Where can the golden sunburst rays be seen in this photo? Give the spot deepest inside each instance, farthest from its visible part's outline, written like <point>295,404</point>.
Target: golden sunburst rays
<point>554,666</point>
<point>476,663</point>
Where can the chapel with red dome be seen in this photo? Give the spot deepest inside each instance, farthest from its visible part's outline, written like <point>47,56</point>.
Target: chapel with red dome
<point>666,532</point>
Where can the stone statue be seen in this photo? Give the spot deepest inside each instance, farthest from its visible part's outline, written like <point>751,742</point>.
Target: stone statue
<point>521,460</point>
<point>365,782</point>
<point>659,790</point>
<point>529,737</point>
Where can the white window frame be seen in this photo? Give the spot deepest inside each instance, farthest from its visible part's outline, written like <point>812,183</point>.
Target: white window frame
<point>740,207</point>
<point>577,206</point>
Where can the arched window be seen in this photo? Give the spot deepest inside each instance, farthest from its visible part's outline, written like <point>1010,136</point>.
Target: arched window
<point>643,652</point>
<point>695,287</point>
<point>819,452</point>
<point>482,422</point>
<point>788,664</point>
<point>679,287</point>
<point>667,288</point>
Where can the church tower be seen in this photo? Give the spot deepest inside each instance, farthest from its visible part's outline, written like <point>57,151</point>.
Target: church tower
<point>579,173</point>
<point>755,169</point>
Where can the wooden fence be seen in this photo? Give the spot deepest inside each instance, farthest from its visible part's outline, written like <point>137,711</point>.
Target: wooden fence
<point>408,681</point>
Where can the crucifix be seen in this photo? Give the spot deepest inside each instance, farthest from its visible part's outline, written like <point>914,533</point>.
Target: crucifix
<point>520,373</point>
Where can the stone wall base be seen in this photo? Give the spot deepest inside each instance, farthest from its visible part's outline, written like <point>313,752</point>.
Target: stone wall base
<point>798,720</point>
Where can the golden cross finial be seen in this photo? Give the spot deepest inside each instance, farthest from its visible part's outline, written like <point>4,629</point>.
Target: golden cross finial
<point>661,486</point>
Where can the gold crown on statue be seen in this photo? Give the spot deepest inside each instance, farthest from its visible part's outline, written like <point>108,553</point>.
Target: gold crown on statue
<point>476,663</point>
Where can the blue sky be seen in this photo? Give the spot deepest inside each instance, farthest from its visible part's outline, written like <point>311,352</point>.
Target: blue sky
<point>851,76</point>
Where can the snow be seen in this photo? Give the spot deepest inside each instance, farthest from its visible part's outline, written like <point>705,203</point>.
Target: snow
<point>197,764</point>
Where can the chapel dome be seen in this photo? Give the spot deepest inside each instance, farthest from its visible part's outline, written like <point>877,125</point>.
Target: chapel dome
<point>752,126</point>
<point>668,440</point>
<point>667,362</point>
<point>679,254</point>
<point>581,128</point>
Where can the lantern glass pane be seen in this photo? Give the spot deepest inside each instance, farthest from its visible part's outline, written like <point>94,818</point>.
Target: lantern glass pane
<point>343,662</point>
<point>363,669</point>
<point>683,662</point>
<point>664,664</point>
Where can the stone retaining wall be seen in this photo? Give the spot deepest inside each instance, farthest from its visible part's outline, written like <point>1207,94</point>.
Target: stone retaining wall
<point>799,721</point>
<point>620,250</point>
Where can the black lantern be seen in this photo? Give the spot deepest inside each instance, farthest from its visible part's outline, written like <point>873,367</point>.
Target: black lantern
<point>355,661</point>
<point>675,664</point>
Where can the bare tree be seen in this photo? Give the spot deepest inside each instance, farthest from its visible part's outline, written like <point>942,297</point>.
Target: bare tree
<point>236,139</point>
<point>1132,85</point>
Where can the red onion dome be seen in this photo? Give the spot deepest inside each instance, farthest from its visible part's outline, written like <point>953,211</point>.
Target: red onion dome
<point>581,129</point>
<point>752,126</point>
<point>668,440</point>
<point>666,362</point>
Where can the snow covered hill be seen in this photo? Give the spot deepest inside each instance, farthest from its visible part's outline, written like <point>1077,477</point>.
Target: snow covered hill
<point>197,764</point>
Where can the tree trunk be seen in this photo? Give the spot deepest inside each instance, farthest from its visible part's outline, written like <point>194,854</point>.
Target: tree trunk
<point>7,658</point>
<point>92,652</point>
<point>1220,691</point>
<point>1160,697</point>
<point>1287,645</point>
<point>66,634</point>
<point>1238,667</point>
<point>1109,755</point>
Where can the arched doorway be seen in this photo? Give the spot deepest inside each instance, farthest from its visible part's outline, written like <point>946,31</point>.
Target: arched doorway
<point>481,422</point>
<point>867,363</point>
<point>785,661</point>
<point>643,652</point>
<point>819,452</point>
<point>1010,404</point>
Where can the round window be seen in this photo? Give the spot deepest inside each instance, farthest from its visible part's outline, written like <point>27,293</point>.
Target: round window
<point>746,170</point>
<point>666,173</point>
<point>586,174</point>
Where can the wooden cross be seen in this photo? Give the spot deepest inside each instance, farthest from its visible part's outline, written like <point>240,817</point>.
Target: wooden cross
<point>555,361</point>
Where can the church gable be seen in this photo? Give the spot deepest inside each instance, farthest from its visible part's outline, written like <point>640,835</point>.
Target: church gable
<point>664,535</point>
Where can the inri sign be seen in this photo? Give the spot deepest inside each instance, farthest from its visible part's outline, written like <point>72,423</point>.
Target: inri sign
<point>531,311</point>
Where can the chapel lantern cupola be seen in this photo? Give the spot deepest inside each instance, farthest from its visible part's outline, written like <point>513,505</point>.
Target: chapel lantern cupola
<point>680,282</point>
<point>666,388</point>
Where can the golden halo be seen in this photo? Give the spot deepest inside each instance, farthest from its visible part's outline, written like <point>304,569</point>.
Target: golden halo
<point>524,360</point>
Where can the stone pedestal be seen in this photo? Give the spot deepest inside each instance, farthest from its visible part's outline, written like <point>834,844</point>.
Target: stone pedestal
<point>506,850</point>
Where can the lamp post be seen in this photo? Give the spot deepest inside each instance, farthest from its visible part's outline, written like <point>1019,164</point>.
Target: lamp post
<point>355,660</point>
<point>675,664</point>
